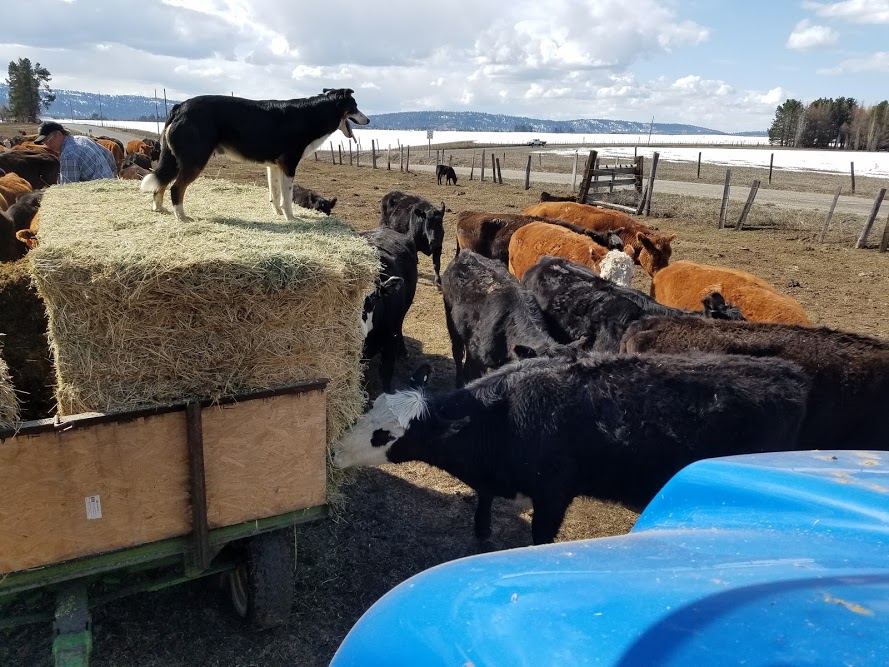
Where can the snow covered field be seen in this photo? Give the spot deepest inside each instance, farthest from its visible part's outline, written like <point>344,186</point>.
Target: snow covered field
<point>738,151</point>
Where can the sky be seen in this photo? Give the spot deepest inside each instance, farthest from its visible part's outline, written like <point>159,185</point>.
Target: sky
<point>721,64</point>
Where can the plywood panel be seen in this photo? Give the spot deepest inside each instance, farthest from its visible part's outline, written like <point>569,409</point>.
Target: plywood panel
<point>265,457</point>
<point>139,471</point>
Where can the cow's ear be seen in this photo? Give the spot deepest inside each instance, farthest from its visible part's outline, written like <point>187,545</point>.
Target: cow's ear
<point>646,242</point>
<point>420,376</point>
<point>442,208</point>
<point>333,202</point>
<point>419,212</point>
<point>524,352</point>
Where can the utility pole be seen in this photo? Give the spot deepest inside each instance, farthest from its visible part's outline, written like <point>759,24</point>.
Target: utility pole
<point>651,125</point>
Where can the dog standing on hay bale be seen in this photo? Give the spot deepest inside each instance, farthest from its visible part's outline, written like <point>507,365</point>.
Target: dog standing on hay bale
<point>276,133</point>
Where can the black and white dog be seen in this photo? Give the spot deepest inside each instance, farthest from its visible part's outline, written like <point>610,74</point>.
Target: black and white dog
<point>276,133</point>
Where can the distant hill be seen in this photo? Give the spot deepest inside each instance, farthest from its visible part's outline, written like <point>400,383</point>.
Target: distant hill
<point>135,107</point>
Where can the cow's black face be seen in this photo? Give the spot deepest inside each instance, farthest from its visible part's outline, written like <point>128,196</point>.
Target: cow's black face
<point>324,205</point>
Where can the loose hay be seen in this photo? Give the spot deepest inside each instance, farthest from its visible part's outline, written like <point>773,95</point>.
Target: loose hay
<point>144,309</point>
<point>9,406</point>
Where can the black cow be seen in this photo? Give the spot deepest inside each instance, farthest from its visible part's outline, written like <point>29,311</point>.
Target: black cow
<point>39,168</point>
<point>418,218</point>
<point>491,318</point>
<point>386,307</point>
<point>446,172</point>
<point>308,198</point>
<point>579,304</point>
<point>609,426</point>
<point>16,237</point>
<point>546,196</point>
<point>850,373</point>
<point>138,159</point>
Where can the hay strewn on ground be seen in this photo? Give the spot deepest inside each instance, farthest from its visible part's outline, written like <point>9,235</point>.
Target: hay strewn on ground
<point>9,406</point>
<point>144,309</point>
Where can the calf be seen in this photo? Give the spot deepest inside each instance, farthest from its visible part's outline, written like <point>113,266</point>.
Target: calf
<point>446,172</point>
<point>137,146</point>
<point>546,196</point>
<point>612,427</point>
<point>683,285</point>
<point>539,239</point>
<point>716,307</point>
<point>12,186</point>
<point>491,318</point>
<point>137,159</point>
<point>579,304</point>
<point>489,233</point>
<point>310,199</point>
<point>386,306</point>
<point>25,216</point>
<point>652,250</point>
<point>132,172</point>
<point>850,373</point>
<point>39,168</point>
<point>419,219</point>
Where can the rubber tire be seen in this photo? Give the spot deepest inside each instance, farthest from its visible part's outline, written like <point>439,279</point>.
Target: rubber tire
<point>261,587</point>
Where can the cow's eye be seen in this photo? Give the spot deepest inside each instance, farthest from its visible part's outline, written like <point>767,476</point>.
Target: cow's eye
<point>381,437</point>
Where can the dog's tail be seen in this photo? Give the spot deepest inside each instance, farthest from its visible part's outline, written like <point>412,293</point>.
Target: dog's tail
<point>167,169</point>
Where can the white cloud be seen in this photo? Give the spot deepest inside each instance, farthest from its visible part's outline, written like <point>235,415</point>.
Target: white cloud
<point>854,11</point>
<point>876,62</point>
<point>806,36</point>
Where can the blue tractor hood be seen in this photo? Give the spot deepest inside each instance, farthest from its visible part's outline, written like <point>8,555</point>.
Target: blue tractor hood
<point>766,559</point>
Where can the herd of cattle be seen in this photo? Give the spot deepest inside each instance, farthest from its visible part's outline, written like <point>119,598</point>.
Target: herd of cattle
<point>569,383</point>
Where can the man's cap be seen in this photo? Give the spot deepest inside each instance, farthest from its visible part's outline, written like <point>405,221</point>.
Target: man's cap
<point>47,129</point>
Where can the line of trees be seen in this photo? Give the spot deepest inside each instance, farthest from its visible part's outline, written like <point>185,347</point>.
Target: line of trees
<point>831,123</point>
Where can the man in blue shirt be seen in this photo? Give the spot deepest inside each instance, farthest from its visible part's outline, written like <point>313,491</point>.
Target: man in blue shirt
<point>80,158</point>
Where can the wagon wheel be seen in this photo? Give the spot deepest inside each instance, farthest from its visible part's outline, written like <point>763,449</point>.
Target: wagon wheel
<point>261,586</point>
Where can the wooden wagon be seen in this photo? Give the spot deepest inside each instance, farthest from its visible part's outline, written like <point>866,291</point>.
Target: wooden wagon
<point>172,493</point>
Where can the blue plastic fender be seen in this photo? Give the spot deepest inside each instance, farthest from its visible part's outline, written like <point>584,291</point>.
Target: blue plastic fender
<point>766,559</point>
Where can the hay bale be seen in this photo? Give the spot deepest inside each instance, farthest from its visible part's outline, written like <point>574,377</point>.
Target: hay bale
<point>144,309</point>
<point>25,346</point>
<point>9,406</point>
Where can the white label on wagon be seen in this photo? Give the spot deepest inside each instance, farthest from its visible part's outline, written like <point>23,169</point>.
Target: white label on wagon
<point>93,507</point>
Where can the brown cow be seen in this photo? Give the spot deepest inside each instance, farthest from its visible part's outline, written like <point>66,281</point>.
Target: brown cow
<point>137,146</point>
<point>133,172</point>
<point>18,227</point>
<point>488,234</point>
<point>114,147</point>
<point>652,250</point>
<point>30,146</point>
<point>537,239</point>
<point>683,284</point>
<point>11,187</point>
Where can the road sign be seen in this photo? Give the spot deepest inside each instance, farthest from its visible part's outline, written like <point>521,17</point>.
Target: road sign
<point>429,134</point>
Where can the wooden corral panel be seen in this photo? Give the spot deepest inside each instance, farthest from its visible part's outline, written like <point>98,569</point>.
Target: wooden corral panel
<point>106,485</point>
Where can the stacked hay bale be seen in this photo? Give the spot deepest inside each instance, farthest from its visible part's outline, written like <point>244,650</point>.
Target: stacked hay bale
<point>9,407</point>
<point>144,309</point>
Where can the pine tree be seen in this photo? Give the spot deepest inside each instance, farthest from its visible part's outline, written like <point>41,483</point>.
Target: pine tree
<point>28,90</point>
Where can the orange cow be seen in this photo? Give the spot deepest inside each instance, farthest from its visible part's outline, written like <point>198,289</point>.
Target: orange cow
<point>29,146</point>
<point>683,284</point>
<point>651,250</point>
<point>115,150</point>
<point>137,146</point>
<point>536,239</point>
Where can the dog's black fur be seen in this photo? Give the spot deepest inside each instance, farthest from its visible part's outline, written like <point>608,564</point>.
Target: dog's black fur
<point>446,172</point>
<point>276,133</point>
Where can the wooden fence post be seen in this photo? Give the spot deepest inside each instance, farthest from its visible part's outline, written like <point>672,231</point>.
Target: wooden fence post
<point>852,165</point>
<point>528,171</point>
<point>472,168</point>
<point>358,155</point>
<point>332,154</point>
<point>350,153</point>
<point>884,242</point>
<point>407,161</point>
<point>373,153</point>
<point>499,173</point>
<point>316,156</point>
<point>400,157</point>
<point>451,160</point>
<point>482,177</point>
<point>870,219</point>
<point>833,205</point>
<point>389,158</point>
<point>699,164</point>
<point>723,210</point>
<point>753,190</point>
<point>639,161</point>
<point>340,151</point>
<point>587,177</point>
<point>771,163</point>
<point>493,167</point>
<point>654,159</point>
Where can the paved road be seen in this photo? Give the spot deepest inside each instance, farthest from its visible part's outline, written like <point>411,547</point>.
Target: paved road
<point>98,130</point>
<point>781,198</point>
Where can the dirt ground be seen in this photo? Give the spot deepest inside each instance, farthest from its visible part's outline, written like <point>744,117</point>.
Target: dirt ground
<point>395,521</point>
